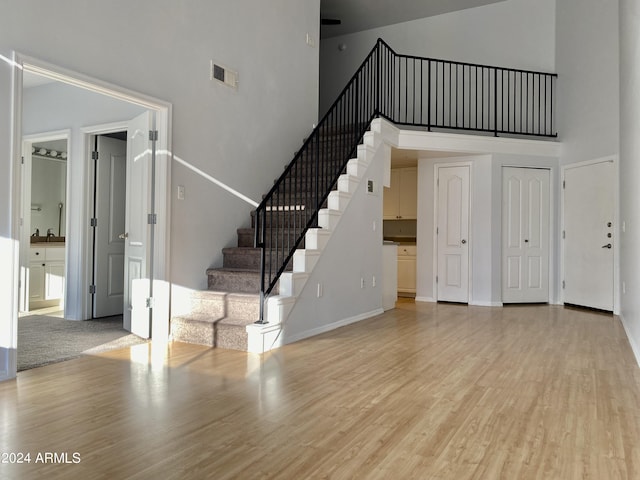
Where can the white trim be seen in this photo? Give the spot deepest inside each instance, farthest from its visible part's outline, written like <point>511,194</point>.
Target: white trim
<point>329,327</point>
<point>425,299</point>
<point>486,304</point>
<point>634,346</point>
<point>163,112</point>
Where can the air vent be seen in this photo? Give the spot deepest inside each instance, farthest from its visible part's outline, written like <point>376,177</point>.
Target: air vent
<point>223,75</point>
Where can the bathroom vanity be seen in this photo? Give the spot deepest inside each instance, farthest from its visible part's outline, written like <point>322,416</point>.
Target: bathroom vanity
<point>46,274</point>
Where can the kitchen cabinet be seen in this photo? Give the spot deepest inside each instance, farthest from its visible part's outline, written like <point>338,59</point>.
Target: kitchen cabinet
<point>46,275</point>
<point>407,270</point>
<point>400,200</point>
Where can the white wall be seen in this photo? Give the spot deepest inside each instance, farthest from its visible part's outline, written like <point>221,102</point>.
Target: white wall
<point>354,252</point>
<point>162,48</point>
<point>588,78</point>
<point>58,106</point>
<point>516,33</point>
<point>630,169</point>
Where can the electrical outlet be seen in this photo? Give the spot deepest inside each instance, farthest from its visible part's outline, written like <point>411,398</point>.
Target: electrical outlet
<point>361,282</point>
<point>373,282</point>
<point>180,192</point>
<point>319,290</point>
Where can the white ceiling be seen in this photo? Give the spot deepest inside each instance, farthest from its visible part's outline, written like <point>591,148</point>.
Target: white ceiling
<point>32,80</point>
<point>359,15</point>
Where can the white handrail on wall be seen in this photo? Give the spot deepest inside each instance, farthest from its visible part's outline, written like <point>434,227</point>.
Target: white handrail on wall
<point>215,181</point>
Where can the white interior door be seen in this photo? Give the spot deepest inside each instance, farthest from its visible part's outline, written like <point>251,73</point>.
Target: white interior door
<point>589,207</point>
<point>525,235</point>
<point>453,234</point>
<point>138,233</point>
<point>111,168</point>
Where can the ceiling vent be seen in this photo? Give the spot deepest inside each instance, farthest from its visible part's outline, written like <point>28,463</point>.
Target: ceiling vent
<point>224,75</point>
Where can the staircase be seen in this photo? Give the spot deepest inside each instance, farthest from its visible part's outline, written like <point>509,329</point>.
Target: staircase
<point>293,222</point>
<point>219,316</point>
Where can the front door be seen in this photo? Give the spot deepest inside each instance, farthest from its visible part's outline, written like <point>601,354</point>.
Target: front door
<point>589,206</point>
<point>138,234</point>
<point>525,235</point>
<point>453,234</point>
<point>110,206</point>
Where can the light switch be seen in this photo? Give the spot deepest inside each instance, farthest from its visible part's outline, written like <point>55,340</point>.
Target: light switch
<point>180,192</point>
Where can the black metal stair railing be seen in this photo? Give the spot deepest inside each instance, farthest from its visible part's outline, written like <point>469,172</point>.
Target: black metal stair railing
<point>406,90</point>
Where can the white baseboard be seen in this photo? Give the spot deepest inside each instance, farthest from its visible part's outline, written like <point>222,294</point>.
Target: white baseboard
<point>330,326</point>
<point>486,304</point>
<point>426,299</point>
<point>634,345</point>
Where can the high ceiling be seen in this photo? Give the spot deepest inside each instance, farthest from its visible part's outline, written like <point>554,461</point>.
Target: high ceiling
<point>358,15</point>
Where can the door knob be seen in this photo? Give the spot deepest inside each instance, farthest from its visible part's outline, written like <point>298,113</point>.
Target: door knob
<point>608,245</point>
<point>464,241</point>
<point>122,236</point>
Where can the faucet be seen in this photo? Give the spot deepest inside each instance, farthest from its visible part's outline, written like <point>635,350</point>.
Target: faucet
<point>50,234</point>
<point>37,233</point>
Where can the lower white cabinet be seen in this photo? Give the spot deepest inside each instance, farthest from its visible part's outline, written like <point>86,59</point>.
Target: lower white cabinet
<point>46,275</point>
<point>407,269</point>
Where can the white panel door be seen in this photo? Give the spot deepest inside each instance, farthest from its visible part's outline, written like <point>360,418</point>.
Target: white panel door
<point>453,234</point>
<point>137,229</point>
<point>111,168</point>
<point>589,205</point>
<point>525,235</point>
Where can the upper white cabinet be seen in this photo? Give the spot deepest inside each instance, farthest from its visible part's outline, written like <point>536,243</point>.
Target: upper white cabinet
<point>401,199</point>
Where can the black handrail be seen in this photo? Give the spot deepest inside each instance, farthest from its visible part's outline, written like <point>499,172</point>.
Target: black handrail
<point>406,90</point>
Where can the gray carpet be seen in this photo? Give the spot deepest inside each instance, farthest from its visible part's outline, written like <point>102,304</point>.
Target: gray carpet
<point>44,339</point>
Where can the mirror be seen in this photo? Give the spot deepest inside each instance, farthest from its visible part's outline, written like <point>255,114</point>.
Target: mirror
<point>48,190</point>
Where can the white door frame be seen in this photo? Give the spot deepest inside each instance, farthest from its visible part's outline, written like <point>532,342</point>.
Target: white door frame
<point>616,226</point>
<point>162,184</point>
<point>436,177</point>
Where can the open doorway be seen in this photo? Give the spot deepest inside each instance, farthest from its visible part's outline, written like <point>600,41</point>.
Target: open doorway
<point>150,217</point>
<point>44,214</point>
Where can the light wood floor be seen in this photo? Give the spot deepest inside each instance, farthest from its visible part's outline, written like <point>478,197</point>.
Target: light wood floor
<point>426,391</point>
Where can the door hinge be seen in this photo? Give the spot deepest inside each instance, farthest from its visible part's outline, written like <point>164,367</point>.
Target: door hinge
<point>564,183</point>
<point>153,135</point>
<point>437,230</point>
<point>22,161</point>
<point>94,222</point>
<point>564,234</point>
<point>94,155</point>
<point>152,218</point>
<point>150,302</point>
<point>562,283</point>
<point>92,289</point>
<point>436,279</point>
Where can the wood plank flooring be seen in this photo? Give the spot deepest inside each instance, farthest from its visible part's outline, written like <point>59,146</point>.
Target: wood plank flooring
<point>426,391</point>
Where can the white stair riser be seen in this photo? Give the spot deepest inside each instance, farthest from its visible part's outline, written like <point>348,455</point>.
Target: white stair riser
<point>338,201</point>
<point>347,183</point>
<point>328,219</point>
<point>317,238</point>
<point>291,284</point>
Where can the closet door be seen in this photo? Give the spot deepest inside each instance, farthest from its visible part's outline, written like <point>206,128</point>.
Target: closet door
<point>525,235</point>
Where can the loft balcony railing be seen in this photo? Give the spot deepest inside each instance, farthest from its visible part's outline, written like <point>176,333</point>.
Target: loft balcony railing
<point>406,90</point>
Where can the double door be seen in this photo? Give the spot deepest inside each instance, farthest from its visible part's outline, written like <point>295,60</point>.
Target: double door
<point>525,235</point>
